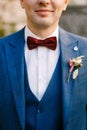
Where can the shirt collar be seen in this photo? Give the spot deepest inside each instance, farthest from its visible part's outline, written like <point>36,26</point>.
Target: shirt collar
<point>29,33</point>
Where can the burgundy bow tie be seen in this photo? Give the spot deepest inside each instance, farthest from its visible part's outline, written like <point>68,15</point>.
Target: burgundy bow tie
<point>50,43</point>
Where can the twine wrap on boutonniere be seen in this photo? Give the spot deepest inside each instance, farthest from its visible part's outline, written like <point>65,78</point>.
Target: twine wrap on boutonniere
<point>74,65</point>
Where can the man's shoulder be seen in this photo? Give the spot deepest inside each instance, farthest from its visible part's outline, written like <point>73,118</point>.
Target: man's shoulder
<point>11,37</point>
<point>71,35</point>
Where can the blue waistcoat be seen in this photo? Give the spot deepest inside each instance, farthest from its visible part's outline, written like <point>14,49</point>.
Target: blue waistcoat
<point>45,114</point>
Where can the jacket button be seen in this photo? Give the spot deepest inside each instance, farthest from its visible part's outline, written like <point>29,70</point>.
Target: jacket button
<point>38,110</point>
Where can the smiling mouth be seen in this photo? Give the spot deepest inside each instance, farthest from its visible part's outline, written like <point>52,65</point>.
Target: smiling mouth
<point>43,12</point>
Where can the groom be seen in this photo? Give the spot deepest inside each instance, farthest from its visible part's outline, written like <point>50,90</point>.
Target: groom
<point>43,73</point>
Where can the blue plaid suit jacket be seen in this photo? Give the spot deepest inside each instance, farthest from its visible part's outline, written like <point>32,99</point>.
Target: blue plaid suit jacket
<point>74,92</point>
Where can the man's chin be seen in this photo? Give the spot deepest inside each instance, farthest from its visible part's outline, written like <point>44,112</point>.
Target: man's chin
<point>44,24</point>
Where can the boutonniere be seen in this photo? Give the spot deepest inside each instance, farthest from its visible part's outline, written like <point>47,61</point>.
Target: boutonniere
<point>74,65</point>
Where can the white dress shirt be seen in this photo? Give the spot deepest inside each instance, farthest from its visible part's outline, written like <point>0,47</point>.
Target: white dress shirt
<point>41,63</point>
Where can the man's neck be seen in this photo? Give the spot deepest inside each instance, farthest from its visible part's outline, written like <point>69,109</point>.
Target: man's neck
<point>43,32</point>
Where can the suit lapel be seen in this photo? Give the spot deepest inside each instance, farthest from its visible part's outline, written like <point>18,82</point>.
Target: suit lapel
<point>67,48</point>
<point>15,61</point>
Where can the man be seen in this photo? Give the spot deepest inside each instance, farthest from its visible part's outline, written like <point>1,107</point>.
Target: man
<point>43,88</point>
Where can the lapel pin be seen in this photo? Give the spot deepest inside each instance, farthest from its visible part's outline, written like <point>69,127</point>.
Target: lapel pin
<point>75,48</point>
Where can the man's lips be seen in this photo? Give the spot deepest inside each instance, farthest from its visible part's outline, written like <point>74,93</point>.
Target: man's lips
<point>43,12</point>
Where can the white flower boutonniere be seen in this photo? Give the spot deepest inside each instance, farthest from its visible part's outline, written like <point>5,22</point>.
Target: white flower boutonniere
<point>74,65</point>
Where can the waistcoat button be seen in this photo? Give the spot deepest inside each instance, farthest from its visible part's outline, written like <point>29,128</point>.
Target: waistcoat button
<point>38,110</point>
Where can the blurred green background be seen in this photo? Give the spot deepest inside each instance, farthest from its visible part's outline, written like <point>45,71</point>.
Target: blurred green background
<point>12,17</point>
